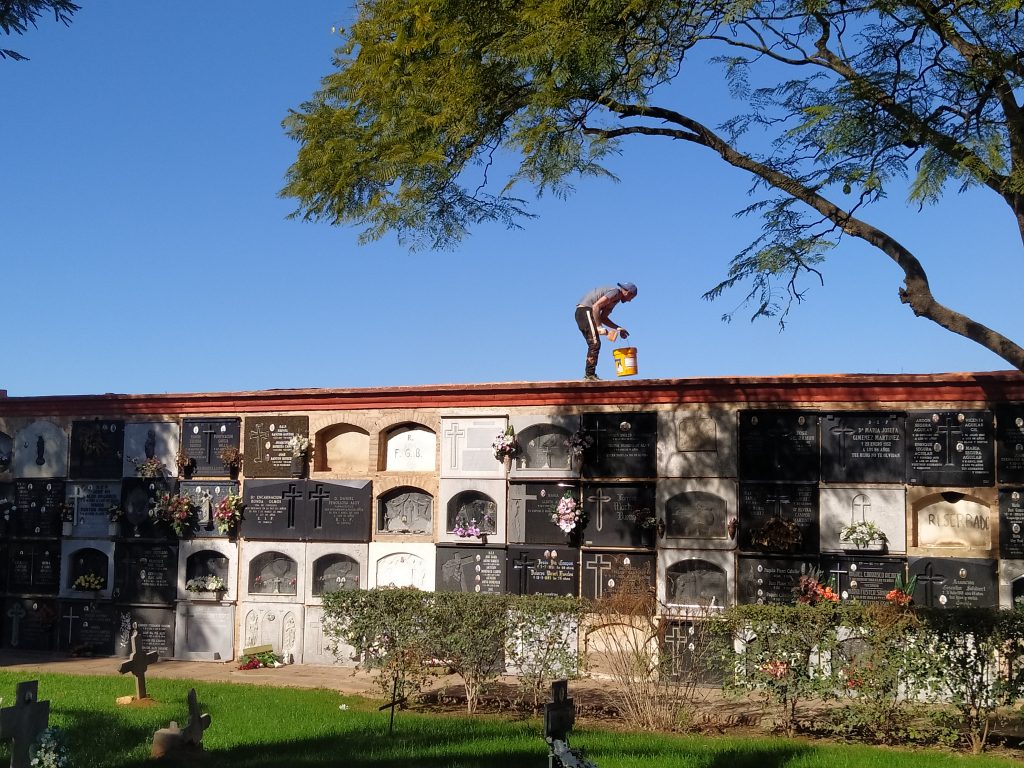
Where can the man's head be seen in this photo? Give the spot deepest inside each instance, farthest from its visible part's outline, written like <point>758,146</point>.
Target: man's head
<point>628,291</point>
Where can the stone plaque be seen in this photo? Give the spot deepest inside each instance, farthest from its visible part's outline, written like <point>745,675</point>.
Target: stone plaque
<point>40,450</point>
<point>619,515</point>
<point>780,518</point>
<point>90,507</point>
<point>138,495</point>
<point>695,514</point>
<point>150,441</point>
<point>268,450</point>
<point>696,582</point>
<point>402,569</point>
<point>1010,443</point>
<point>843,507</point>
<point>275,509</point>
<point>30,624</point>
<point>205,496</point>
<point>410,449</point>
<point>203,441</point>
<point>406,510</point>
<point>39,508</point>
<point>146,573</point>
<point>207,562</point>
<point>950,448</point>
<point>1011,523</point>
<point>467,446</point>
<point>865,579</point>
<point>470,569</point>
<point>954,583</point>
<point>97,449</point>
<point>863,447</point>
<point>204,632</point>
<point>604,573</point>
<point>339,510</point>
<point>625,445</point>
<point>276,624</point>
<point>88,628</point>
<point>34,567</point>
<point>539,501</point>
<point>778,445</point>
<point>156,630</point>
<point>543,571</point>
<point>770,581</point>
<point>953,520</point>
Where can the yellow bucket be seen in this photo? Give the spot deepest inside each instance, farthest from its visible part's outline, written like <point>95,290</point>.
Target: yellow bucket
<point>625,361</point>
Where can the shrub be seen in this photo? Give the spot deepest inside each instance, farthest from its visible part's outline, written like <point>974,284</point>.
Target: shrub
<point>543,642</point>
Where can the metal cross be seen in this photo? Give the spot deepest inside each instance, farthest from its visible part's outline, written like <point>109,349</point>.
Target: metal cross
<point>22,723</point>
<point>523,563</point>
<point>599,565</point>
<point>291,496</point>
<point>72,618</point>
<point>838,571</point>
<point>454,433</point>
<point>318,496</point>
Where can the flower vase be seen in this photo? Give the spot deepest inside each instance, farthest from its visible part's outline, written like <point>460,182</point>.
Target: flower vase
<point>298,466</point>
<point>507,462</point>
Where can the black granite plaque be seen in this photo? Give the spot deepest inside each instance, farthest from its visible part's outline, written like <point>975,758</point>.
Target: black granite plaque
<point>97,450</point>
<point>950,448</point>
<point>1010,443</point>
<point>8,509</point>
<point>90,505</point>
<point>619,515</point>
<point>863,447</point>
<point>696,515</point>
<point>203,441</point>
<point>339,510</point>
<point>146,573</point>
<point>540,502</point>
<point>867,580</point>
<point>39,508</point>
<point>138,495</point>
<point>779,518</point>
<point>34,567</point>
<point>605,573</point>
<point>690,652</point>
<point>88,628</point>
<point>156,630</point>
<point>543,571</point>
<point>624,445</point>
<point>954,583</point>
<point>30,624</point>
<point>770,581</point>
<point>205,496</point>
<point>778,445</point>
<point>1011,523</point>
<point>276,509</point>
<point>470,569</point>
<point>268,450</point>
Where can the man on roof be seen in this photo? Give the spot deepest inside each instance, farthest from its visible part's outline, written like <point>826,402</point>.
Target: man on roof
<point>593,317</point>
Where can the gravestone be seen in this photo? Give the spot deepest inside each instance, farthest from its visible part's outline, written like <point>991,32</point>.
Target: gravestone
<point>88,628</point>
<point>22,723</point>
<point>275,509</point>
<point>950,448</point>
<point>410,448</point>
<point>1010,443</point>
<point>865,579</point>
<point>207,562</point>
<point>689,650</point>
<point>204,439</point>
<point>604,573</point>
<point>318,647</point>
<point>146,573</point>
<point>138,495</point>
<point>472,508</point>
<point>204,632</point>
<point>779,518</point>
<point>197,721</point>
<point>273,573</point>
<point>625,445</point>
<point>559,715</point>
<point>205,495</point>
<point>340,510</point>
<point>34,567</point>
<point>841,507</point>
<point>697,443</point>
<point>701,580</point>
<point>335,572</point>
<point>465,502</point>
<point>953,520</point>
<point>144,441</point>
<point>530,508</point>
<point>1011,523</point>
<point>697,509</point>
<point>402,564</point>
<point>39,508</point>
<point>90,507</point>
<point>543,570</point>
<point>155,626</point>
<point>97,450</point>
<point>279,625</point>
<point>30,624</point>
<point>619,515</point>
<point>268,451</point>
<point>138,662</point>
<point>406,510</point>
<point>778,445</point>
<point>954,583</point>
<point>40,450</point>
<point>470,569</point>
<point>863,447</point>
<point>770,581</point>
<point>467,446</point>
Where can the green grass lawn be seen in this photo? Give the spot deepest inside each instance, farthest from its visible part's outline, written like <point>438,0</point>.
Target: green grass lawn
<point>263,726</point>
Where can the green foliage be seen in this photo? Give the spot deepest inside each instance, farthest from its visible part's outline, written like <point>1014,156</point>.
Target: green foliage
<point>542,643</point>
<point>17,15</point>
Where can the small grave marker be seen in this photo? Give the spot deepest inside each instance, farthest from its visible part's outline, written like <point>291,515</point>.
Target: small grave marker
<point>197,722</point>
<point>559,717</point>
<point>22,723</point>
<point>138,662</point>
<point>172,740</point>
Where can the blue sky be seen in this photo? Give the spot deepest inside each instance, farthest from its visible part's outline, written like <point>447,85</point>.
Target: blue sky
<point>144,249</point>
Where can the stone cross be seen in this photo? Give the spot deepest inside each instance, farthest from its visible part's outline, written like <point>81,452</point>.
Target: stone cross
<point>601,498</point>
<point>138,662</point>
<point>454,433</point>
<point>197,722</point>
<point>22,723</point>
<point>842,432</point>
<point>599,565</point>
<point>16,613</point>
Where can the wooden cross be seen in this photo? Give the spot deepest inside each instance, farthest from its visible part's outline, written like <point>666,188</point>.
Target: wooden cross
<point>197,722</point>
<point>138,662</point>
<point>22,723</point>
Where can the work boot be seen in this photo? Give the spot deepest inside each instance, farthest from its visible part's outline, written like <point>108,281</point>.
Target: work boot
<point>591,377</point>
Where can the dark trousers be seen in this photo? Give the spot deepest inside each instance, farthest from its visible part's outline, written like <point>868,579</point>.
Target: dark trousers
<point>585,322</point>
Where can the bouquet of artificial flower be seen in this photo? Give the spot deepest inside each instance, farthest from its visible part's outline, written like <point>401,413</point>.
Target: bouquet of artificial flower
<point>505,445</point>
<point>209,583</point>
<point>228,513</point>
<point>176,511</point>
<point>577,443</point>
<point>568,514</point>
<point>50,750</point>
<point>300,445</point>
<point>861,534</point>
<point>149,468</point>
<point>89,582</point>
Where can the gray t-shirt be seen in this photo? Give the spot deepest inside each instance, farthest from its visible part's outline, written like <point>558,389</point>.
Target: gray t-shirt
<point>590,298</point>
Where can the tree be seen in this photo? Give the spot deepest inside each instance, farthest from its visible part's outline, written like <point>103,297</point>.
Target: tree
<point>16,15</point>
<point>862,96</point>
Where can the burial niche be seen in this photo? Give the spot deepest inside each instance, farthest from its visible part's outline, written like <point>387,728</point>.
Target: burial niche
<point>342,448</point>
<point>87,570</point>
<point>952,520</point>
<point>405,510</point>
<point>544,446</point>
<point>204,564</point>
<point>696,582</point>
<point>273,573</point>
<point>696,515</point>
<point>409,448</point>
<point>469,508</point>
<point>335,573</point>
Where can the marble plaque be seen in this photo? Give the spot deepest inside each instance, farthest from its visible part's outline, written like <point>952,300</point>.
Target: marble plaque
<point>467,446</point>
<point>88,628</point>
<point>778,518</point>
<point>203,440</point>
<point>268,450</point>
<point>770,581</point>
<point>950,448</point>
<point>208,557</point>
<point>410,448</point>
<point>1011,523</point>
<point>842,507</point>
<point>625,445</point>
<point>273,571</point>
<point>40,450</point>
<point>138,495</point>
<point>619,515</point>
<point>144,441</point>
<point>205,496</point>
<point>954,583</point>
<point>334,567</point>
<point>155,626</point>
<point>464,500</point>
<point>319,648</point>
<point>953,520</point>
<point>146,573</point>
<point>778,445</point>
<point>1010,443</point>
<point>604,573</point>
<point>536,503</point>
<point>470,569</point>
<point>34,567</point>
<point>39,508</point>
<point>406,510</point>
<point>865,579</point>
<point>545,450</point>
<point>30,624</point>
<point>97,450</point>
<point>91,505</point>
<point>277,624</point>
<point>696,582</point>
<point>863,447</point>
<point>407,566</point>
<point>543,570</point>
<point>204,632</point>
<point>697,513</point>
<point>697,443</point>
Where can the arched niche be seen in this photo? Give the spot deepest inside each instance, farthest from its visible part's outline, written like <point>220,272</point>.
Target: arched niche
<point>207,562</point>
<point>405,510</point>
<point>342,448</point>
<point>335,573</point>
<point>696,582</point>
<point>543,447</point>
<point>952,520</point>
<point>408,448</point>
<point>87,561</point>
<point>467,507</point>
<point>273,573</point>
<point>696,515</point>
<point>1017,587</point>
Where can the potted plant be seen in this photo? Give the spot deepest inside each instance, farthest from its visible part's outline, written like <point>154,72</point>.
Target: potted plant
<point>302,450</point>
<point>506,447</point>
<point>209,586</point>
<point>231,458</point>
<point>176,511</point>
<point>864,535</point>
<point>186,464</point>
<point>228,513</point>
